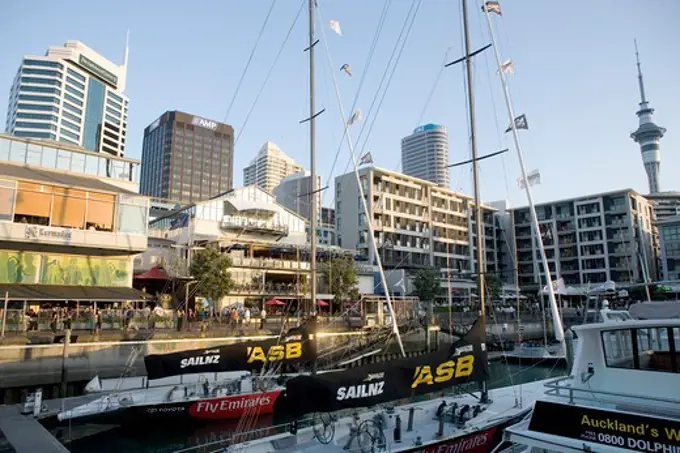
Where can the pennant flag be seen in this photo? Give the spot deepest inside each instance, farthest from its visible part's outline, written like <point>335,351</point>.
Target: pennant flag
<point>492,7</point>
<point>558,287</point>
<point>534,178</point>
<point>366,159</point>
<point>520,123</point>
<point>335,26</point>
<point>356,116</point>
<point>347,68</point>
<point>508,67</point>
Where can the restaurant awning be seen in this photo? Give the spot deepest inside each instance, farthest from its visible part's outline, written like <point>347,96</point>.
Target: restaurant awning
<point>155,273</point>
<point>17,291</point>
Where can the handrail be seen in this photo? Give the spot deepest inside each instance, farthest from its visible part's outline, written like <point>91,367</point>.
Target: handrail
<point>555,391</point>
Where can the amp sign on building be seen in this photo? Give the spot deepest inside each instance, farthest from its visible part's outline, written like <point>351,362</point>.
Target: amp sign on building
<point>202,122</point>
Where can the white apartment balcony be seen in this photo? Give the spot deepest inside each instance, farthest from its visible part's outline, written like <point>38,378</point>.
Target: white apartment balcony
<point>254,226</point>
<point>269,263</point>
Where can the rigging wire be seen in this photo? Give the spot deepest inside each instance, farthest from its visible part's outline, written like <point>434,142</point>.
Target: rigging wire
<point>250,59</point>
<point>367,64</point>
<point>434,85</point>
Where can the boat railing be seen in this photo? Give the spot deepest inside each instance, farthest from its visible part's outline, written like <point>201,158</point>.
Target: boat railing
<point>560,390</point>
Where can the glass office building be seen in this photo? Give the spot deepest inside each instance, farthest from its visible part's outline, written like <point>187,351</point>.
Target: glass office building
<point>73,95</point>
<point>186,158</point>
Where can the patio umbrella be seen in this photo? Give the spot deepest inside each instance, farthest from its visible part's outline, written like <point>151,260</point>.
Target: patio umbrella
<point>322,303</point>
<point>274,302</point>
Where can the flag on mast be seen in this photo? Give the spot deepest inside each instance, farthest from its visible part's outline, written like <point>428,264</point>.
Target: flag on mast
<point>534,177</point>
<point>356,116</point>
<point>508,67</point>
<point>492,7</point>
<point>520,123</point>
<point>335,26</point>
<point>366,159</point>
<point>347,68</point>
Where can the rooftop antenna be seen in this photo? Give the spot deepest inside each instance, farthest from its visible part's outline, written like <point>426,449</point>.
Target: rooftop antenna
<point>643,99</point>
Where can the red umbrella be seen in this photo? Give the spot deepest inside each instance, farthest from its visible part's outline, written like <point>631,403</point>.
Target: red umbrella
<point>274,302</point>
<point>322,303</point>
<point>154,273</point>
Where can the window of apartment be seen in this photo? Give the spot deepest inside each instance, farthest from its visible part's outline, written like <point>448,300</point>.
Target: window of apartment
<point>45,72</point>
<point>74,82</point>
<point>36,98</point>
<point>36,116</point>
<point>73,99</point>
<point>68,134</point>
<point>112,112</point>
<point>37,89</point>
<point>25,124</point>
<point>71,117</point>
<point>70,125</point>
<point>75,74</point>
<point>72,90</point>
<point>115,96</point>
<point>73,109</point>
<point>41,108</point>
<point>114,104</point>
<point>37,80</point>
<point>47,64</point>
<point>7,199</point>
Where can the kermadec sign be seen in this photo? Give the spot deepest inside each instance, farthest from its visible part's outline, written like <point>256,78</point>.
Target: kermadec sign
<point>617,429</point>
<point>202,122</point>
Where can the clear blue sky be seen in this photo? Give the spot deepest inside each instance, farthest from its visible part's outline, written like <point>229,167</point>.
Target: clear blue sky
<point>575,80</point>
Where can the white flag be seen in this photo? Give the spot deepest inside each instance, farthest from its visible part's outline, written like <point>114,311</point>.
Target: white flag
<point>347,68</point>
<point>335,26</point>
<point>507,67</point>
<point>534,178</point>
<point>356,116</point>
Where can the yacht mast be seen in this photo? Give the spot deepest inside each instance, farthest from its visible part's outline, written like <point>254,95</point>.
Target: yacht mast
<point>475,175</point>
<point>312,171</point>
<point>557,320</point>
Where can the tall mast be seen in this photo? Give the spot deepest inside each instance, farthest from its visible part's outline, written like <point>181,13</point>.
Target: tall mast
<point>312,133</point>
<point>475,180</point>
<point>475,170</point>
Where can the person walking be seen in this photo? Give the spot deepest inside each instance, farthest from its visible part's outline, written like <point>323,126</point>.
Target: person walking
<point>263,318</point>
<point>246,317</point>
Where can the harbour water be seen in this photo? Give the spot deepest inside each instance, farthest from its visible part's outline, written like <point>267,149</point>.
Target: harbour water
<point>160,439</point>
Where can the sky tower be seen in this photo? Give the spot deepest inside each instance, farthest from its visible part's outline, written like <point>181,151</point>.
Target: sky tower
<point>648,135</point>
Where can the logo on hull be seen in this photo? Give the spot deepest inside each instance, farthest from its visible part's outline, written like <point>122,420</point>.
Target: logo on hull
<point>232,407</point>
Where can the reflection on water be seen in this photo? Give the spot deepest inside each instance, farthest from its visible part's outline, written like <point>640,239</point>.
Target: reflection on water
<point>164,439</point>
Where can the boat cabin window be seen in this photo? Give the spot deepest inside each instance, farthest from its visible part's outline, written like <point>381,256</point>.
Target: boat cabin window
<point>648,348</point>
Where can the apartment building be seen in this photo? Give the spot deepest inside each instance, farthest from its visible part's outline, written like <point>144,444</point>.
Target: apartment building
<point>295,193</point>
<point>269,167</point>
<point>416,223</point>
<point>666,204</point>
<point>669,246</point>
<point>425,154</point>
<point>589,240</point>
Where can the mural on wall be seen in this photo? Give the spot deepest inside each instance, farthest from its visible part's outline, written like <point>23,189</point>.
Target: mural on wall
<point>84,270</point>
<point>18,267</point>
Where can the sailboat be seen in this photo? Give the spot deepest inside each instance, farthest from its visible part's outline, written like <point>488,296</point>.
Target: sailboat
<point>205,398</point>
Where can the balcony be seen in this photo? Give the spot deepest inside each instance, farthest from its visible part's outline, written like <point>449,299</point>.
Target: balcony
<point>269,263</point>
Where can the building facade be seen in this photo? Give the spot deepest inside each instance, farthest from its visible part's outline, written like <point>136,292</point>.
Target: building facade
<point>417,224</point>
<point>669,247</point>
<point>425,154</point>
<point>589,240</point>
<point>327,234</point>
<point>666,204</point>
<point>295,193</point>
<point>71,222</point>
<point>187,158</point>
<point>269,167</point>
<point>72,95</point>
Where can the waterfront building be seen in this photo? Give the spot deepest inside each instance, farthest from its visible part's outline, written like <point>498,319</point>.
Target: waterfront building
<point>269,167</point>
<point>73,95</point>
<point>267,242</point>
<point>589,240</point>
<point>669,246</point>
<point>648,135</point>
<point>295,193</point>
<point>186,158</point>
<point>666,204</point>
<point>417,224</point>
<point>71,222</point>
<point>326,234</point>
<point>425,154</point>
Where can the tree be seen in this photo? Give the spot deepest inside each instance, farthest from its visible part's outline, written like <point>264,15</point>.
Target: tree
<point>428,284</point>
<point>493,285</point>
<point>210,268</point>
<point>340,275</point>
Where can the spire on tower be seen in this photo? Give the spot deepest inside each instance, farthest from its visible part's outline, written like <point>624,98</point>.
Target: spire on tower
<point>639,68</point>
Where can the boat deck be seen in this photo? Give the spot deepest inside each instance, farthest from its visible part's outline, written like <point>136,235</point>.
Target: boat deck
<point>25,433</point>
<point>505,406</point>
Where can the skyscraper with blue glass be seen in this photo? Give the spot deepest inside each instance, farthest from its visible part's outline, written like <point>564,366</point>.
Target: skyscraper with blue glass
<point>73,95</point>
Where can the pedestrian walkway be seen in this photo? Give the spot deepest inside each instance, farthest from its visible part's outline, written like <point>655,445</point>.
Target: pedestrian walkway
<point>25,434</point>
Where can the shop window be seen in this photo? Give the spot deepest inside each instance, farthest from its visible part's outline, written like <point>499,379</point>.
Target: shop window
<point>7,198</point>
<point>33,203</point>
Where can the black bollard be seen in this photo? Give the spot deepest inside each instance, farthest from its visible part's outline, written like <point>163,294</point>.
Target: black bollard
<point>397,430</point>
<point>411,413</point>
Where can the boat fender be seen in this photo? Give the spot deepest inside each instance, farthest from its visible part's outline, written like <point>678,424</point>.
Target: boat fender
<point>397,430</point>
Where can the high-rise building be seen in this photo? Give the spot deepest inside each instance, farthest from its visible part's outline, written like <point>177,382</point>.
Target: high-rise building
<point>186,158</point>
<point>425,154</point>
<point>295,192</point>
<point>669,245</point>
<point>589,240</point>
<point>648,136</point>
<point>269,167</point>
<point>666,204</point>
<point>71,94</point>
